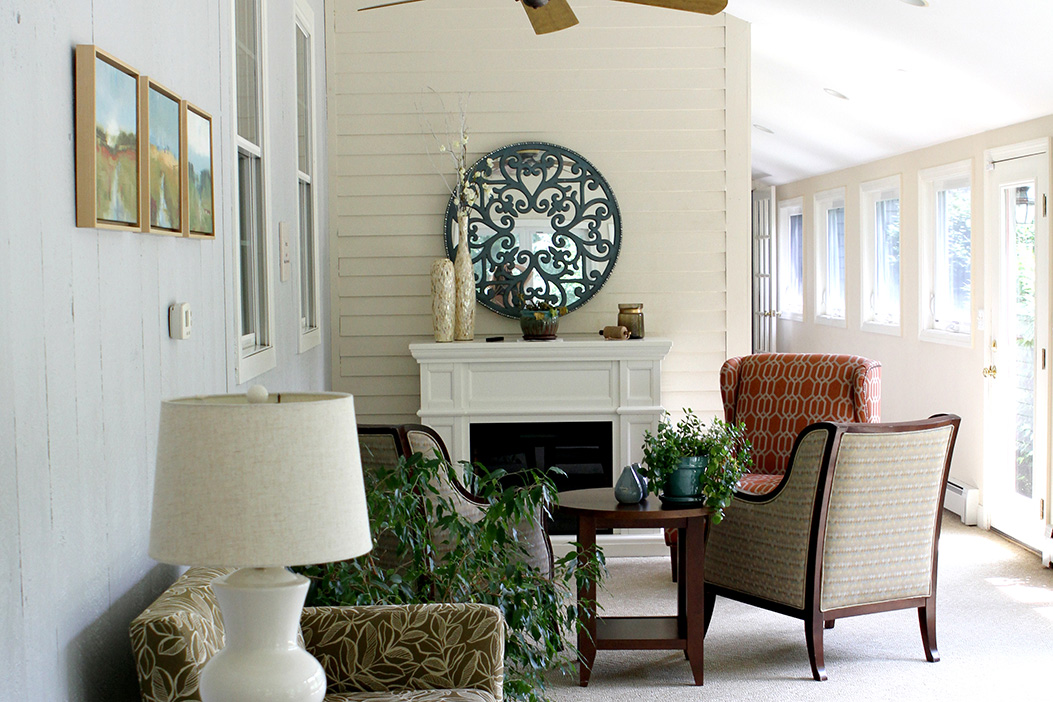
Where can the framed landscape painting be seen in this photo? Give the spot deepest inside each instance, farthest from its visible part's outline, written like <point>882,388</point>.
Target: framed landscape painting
<point>165,138</point>
<point>200,221</point>
<point>109,157</point>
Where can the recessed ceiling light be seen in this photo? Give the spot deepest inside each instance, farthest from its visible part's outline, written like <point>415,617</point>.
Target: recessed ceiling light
<point>831,91</point>
<point>762,128</point>
<point>917,3</point>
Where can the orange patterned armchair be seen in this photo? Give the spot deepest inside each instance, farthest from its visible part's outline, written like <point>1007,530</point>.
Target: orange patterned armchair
<point>776,395</point>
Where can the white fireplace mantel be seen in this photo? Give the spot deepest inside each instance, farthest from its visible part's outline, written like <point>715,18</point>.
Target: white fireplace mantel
<point>568,380</point>
<point>517,381</point>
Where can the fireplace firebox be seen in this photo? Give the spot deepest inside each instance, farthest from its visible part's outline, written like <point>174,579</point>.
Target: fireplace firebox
<point>583,451</point>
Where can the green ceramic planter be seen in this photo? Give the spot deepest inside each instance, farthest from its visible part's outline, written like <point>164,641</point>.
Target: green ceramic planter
<point>538,329</point>
<point>685,482</point>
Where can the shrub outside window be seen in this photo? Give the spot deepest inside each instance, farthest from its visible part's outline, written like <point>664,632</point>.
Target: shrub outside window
<point>830,256</point>
<point>946,240</point>
<point>879,227</point>
<point>791,259</point>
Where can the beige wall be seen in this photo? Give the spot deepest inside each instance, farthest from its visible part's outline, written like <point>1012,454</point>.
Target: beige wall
<point>918,377</point>
<point>645,94</point>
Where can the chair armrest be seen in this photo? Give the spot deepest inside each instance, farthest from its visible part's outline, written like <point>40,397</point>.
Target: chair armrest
<point>408,647</point>
<point>761,546</point>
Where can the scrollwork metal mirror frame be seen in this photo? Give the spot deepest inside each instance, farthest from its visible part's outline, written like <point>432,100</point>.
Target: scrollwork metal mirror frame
<point>562,203</point>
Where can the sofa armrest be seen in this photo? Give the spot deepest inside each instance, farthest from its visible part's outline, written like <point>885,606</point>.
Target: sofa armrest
<point>176,635</point>
<point>408,647</point>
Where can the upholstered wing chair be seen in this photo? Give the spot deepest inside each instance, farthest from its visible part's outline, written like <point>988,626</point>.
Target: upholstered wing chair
<point>383,445</point>
<point>776,395</point>
<point>385,653</point>
<point>852,529</point>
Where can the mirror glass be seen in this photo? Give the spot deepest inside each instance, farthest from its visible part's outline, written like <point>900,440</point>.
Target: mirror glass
<point>544,227</point>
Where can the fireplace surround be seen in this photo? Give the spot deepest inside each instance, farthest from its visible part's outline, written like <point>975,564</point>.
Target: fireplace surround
<point>572,380</point>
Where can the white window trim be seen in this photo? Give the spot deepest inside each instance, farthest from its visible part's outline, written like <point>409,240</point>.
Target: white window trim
<point>869,194</point>
<point>928,181</point>
<point>823,201</point>
<point>787,209</point>
<point>253,362</point>
<point>309,338</point>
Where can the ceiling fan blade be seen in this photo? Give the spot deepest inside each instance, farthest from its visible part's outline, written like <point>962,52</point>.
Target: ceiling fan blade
<point>552,17</point>
<point>388,4</point>
<point>706,7</point>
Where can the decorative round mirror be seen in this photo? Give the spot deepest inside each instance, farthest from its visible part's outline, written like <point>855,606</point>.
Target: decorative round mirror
<point>543,228</point>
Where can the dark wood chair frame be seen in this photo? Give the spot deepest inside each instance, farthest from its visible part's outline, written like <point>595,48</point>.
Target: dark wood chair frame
<point>815,620</point>
<point>400,434</point>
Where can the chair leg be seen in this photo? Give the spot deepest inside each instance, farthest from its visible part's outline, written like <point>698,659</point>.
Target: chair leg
<point>813,634</point>
<point>830,623</point>
<point>709,599</point>
<point>927,620</point>
<point>673,559</point>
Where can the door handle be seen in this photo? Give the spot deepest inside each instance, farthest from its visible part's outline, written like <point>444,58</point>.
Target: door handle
<point>991,372</point>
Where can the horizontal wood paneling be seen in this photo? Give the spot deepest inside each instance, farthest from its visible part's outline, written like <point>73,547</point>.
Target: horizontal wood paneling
<point>638,91</point>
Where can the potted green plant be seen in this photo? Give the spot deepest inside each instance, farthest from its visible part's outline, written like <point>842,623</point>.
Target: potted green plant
<point>691,463</point>
<point>479,560</point>
<point>539,320</point>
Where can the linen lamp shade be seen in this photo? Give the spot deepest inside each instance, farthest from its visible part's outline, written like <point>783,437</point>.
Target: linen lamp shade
<point>258,480</point>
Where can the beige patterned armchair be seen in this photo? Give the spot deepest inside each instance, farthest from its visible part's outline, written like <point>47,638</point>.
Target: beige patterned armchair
<point>381,447</point>
<point>412,653</point>
<point>851,530</point>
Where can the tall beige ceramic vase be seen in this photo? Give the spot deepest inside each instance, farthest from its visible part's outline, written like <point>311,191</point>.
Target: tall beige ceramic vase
<point>464,284</point>
<point>442,299</point>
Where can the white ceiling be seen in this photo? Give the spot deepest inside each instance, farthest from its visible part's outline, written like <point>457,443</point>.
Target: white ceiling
<point>914,76</point>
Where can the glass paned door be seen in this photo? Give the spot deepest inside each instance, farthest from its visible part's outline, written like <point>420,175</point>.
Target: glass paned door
<point>765,314</point>
<point>1020,208</point>
<point>1017,416</point>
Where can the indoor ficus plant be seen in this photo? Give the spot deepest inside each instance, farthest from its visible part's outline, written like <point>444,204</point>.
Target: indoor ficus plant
<point>719,454</point>
<point>485,563</point>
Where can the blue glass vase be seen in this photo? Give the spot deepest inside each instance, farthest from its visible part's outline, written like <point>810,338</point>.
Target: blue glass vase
<point>631,486</point>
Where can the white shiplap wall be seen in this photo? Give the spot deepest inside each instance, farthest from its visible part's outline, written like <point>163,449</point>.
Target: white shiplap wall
<point>643,93</point>
<point>85,358</point>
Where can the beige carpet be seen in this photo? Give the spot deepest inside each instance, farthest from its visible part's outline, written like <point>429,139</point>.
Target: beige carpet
<point>994,632</point>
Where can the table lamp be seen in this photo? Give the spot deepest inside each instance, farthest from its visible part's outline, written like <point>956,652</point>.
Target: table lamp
<point>260,482</point>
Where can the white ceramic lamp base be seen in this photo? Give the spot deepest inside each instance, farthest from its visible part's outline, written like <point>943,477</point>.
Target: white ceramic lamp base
<point>261,659</point>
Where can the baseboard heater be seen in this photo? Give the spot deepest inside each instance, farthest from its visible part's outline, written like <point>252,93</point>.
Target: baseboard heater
<point>963,500</point>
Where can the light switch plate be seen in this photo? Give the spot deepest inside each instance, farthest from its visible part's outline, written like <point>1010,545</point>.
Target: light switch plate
<point>283,246</point>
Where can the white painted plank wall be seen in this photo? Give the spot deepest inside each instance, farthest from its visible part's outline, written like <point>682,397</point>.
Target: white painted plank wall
<point>84,354</point>
<point>638,91</point>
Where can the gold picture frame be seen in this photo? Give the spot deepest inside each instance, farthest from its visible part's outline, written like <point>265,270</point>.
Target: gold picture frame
<point>163,145</point>
<point>108,141</point>
<point>198,190</point>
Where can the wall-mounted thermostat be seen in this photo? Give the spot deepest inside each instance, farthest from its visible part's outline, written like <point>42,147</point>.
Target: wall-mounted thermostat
<point>179,319</point>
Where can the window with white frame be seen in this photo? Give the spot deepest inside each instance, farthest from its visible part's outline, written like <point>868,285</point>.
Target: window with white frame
<point>830,256</point>
<point>879,231</point>
<point>310,333</point>
<point>945,207</point>
<point>255,352</point>
<point>791,259</point>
